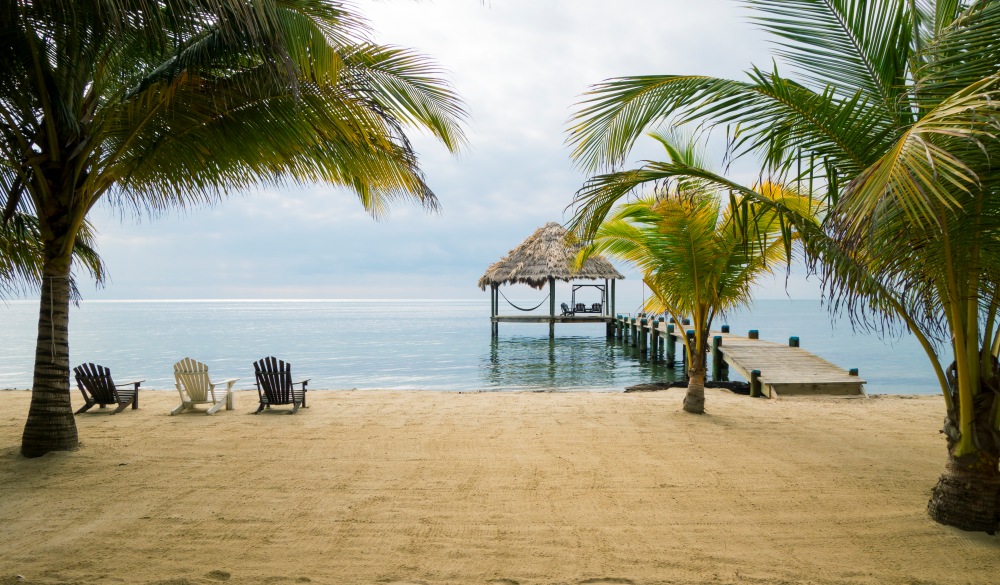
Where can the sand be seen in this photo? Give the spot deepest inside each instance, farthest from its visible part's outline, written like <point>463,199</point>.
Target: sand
<point>489,488</point>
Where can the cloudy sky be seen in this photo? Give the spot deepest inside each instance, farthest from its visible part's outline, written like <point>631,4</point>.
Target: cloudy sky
<point>520,65</point>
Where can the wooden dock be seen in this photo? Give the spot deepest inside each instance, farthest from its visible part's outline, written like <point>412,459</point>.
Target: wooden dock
<point>774,369</point>
<point>555,319</point>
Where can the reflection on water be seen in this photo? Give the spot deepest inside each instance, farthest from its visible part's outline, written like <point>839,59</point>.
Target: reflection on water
<point>569,363</point>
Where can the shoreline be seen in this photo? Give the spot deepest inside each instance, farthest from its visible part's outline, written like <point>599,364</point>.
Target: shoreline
<point>640,388</point>
<point>405,487</point>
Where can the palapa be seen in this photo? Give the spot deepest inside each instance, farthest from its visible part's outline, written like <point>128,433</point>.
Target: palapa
<point>547,253</point>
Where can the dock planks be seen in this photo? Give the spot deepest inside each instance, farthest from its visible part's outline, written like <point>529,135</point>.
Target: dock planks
<point>784,370</point>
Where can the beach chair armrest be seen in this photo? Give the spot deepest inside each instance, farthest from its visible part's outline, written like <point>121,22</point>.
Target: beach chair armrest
<point>302,382</point>
<point>228,382</point>
<point>134,383</point>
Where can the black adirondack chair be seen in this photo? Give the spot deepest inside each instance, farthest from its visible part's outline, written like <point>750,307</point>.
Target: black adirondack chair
<point>275,386</point>
<point>97,387</point>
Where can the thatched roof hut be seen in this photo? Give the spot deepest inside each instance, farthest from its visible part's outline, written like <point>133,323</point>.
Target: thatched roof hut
<point>547,253</point>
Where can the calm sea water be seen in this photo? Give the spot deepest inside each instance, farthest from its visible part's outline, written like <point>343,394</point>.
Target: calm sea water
<point>435,345</point>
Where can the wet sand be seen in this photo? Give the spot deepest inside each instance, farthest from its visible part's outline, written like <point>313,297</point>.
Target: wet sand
<point>489,488</point>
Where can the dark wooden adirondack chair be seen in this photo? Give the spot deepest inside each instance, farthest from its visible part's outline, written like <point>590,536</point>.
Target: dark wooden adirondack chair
<point>97,387</point>
<point>275,386</point>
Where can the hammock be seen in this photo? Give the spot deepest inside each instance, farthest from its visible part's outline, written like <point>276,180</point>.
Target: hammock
<point>521,308</point>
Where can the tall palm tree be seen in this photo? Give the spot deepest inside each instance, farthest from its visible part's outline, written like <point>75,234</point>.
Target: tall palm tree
<point>895,112</point>
<point>21,256</point>
<point>700,247</point>
<point>151,104</point>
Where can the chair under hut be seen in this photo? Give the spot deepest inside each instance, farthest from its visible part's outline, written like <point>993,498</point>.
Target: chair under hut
<point>545,257</point>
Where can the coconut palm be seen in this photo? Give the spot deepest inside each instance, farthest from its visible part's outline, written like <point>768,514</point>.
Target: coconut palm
<point>152,104</point>
<point>894,112</point>
<point>21,257</point>
<point>699,249</point>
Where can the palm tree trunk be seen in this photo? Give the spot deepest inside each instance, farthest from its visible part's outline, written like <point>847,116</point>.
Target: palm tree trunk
<point>694,400</point>
<point>967,495</point>
<point>50,425</point>
<point>967,498</point>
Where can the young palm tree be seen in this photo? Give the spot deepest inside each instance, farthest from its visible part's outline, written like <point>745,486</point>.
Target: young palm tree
<point>150,104</point>
<point>895,112</point>
<point>700,250</point>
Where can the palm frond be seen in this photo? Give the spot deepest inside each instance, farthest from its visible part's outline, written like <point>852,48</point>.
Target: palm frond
<point>850,45</point>
<point>931,167</point>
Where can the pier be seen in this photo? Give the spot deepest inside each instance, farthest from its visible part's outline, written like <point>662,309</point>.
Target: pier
<point>773,369</point>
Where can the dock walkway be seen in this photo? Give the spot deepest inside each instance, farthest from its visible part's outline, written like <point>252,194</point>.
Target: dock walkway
<point>783,369</point>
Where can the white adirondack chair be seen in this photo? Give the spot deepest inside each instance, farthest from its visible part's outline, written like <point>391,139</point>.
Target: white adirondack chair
<point>194,386</point>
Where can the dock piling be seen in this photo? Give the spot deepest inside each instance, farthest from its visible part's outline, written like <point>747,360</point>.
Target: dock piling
<point>716,358</point>
<point>793,342</point>
<point>642,337</point>
<point>671,344</point>
<point>755,383</point>
<point>753,334</point>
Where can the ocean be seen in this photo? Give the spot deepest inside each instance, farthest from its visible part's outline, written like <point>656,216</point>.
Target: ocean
<point>415,345</point>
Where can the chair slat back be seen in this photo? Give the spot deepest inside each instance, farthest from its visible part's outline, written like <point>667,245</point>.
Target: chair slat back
<point>191,376</point>
<point>274,380</point>
<point>96,380</point>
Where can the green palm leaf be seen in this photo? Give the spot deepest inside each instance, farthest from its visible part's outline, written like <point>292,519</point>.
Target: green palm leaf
<point>850,45</point>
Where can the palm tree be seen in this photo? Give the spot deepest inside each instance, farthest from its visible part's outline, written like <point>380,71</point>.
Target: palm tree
<point>700,250</point>
<point>895,115</point>
<point>21,256</point>
<point>153,104</point>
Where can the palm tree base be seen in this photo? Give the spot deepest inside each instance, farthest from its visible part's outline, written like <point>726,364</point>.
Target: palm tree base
<point>694,404</point>
<point>966,501</point>
<point>53,432</point>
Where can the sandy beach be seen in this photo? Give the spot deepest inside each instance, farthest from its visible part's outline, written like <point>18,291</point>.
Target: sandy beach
<point>491,488</point>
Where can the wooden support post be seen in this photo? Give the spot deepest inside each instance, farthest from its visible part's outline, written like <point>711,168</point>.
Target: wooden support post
<point>612,312</point>
<point>654,340</point>
<point>552,307</point>
<point>642,337</point>
<point>620,328</point>
<point>793,342</point>
<point>663,336</point>
<point>671,344</point>
<point>686,322</point>
<point>853,372</point>
<point>725,328</point>
<point>494,310</point>
<point>610,329</point>
<point>754,334</point>
<point>755,383</point>
<point>716,358</point>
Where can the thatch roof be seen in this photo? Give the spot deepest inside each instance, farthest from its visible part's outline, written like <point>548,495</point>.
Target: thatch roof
<point>547,252</point>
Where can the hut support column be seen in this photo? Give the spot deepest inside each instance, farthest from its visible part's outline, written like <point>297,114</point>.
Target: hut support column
<point>552,307</point>
<point>612,311</point>
<point>606,303</point>
<point>494,309</point>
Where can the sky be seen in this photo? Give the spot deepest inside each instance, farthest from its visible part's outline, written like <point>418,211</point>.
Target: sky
<point>520,66</point>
